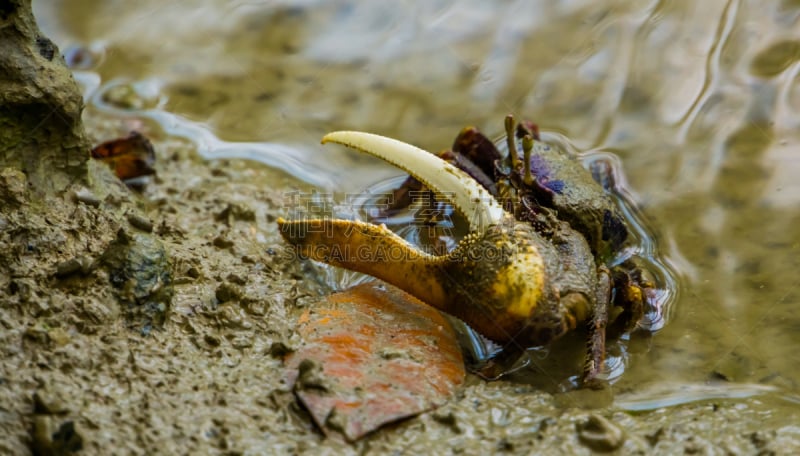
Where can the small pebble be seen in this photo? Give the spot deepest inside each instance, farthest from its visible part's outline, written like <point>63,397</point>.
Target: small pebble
<point>140,222</point>
<point>72,266</point>
<point>600,434</point>
<point>86,197</point>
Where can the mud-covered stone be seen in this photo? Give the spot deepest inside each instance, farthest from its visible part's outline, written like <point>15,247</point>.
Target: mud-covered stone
<point>80,264</point>
<point>600,434</point>
<point>12,187</point>
<point>140,270</point>
<point>49,438</point>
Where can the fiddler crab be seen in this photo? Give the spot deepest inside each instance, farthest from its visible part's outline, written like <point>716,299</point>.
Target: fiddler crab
<point>534,264</point>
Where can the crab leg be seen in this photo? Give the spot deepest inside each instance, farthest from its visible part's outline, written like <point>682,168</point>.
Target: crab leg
<point>527,146</point>
<point>596,348</point>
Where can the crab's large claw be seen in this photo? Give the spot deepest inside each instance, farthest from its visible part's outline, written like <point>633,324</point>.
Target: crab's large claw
<point>369,249</point>
<point>496,280</point>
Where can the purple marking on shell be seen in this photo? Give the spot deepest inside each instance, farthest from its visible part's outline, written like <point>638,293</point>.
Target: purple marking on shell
<point>541,169</point>
<point>554,185</point>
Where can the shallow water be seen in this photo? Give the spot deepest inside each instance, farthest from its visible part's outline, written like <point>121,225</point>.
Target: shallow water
<point>699,100</point>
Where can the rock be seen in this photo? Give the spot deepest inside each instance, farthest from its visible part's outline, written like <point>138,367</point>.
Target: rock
<point>41,133</point>
<point>236,211</point>
<point>95,314</point>
<point>87,197</point>
<point>140,270</point>
<point>13,190</point>
<point>279,349</point>
<point>222,242</point>
<point>126,96</point>
<point>310,376</point>
<point>228,292</point>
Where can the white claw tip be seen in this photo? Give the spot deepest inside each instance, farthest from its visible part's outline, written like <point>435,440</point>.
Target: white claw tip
<point>448,182</point>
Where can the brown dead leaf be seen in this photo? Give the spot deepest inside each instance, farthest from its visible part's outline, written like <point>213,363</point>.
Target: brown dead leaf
<point>130,157</point>
<point>373,354</point>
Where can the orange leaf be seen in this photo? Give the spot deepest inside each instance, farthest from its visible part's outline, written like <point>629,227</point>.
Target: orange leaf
<point>381,355</point>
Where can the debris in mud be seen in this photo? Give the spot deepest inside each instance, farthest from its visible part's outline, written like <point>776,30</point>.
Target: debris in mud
<point>139,269</point>
<point>140,222</point>
<point>52,433</point>
<point>131,157</point>
<point>354,378</point>
<point>83,57</point>
<point>128,96</point>
<point>600,434</point>
<point>47,403</point>
<point>51,439</point>
<point>80,264</point>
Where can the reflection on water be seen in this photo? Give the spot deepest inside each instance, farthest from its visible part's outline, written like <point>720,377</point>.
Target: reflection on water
<point>675,394</point>
<point>699,100</point>
<point>291,159</point>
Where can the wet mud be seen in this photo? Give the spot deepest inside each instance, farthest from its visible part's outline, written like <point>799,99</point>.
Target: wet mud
<point>187,356</point>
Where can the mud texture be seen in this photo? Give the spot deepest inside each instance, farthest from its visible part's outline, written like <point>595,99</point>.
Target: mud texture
<point>78,371</point>
<point>108,330</point>
<point>40,105</point>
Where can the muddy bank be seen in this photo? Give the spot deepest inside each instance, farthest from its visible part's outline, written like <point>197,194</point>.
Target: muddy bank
<point>77,356</point>
<point>97,355</point>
